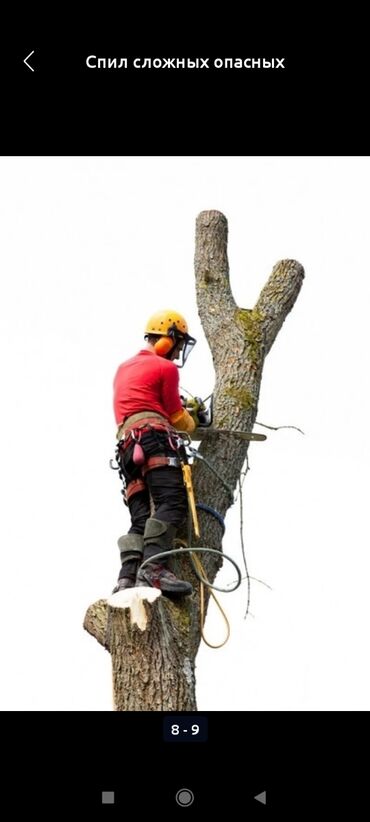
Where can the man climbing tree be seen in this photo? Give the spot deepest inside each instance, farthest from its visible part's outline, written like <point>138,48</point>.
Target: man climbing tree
<point>153,660</point>
<point>148,410</point>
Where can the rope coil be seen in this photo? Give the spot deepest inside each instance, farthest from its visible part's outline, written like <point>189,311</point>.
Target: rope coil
<point>200,572</point>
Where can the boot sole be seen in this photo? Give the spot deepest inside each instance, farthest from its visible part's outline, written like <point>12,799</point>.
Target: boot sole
<point>166,591</point>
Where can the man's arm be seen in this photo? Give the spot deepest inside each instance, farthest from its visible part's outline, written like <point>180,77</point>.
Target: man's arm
<point>182,421</point>
<point>179,416</point>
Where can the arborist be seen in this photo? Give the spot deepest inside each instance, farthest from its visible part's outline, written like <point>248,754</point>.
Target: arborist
<point>149,412</point>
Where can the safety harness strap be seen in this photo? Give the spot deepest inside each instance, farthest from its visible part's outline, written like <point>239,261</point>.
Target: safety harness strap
<point>137,485</point>
<point>158,462</point>
<point>134,487</point>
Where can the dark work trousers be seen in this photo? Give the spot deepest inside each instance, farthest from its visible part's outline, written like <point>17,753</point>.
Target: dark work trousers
<point>164,485</point>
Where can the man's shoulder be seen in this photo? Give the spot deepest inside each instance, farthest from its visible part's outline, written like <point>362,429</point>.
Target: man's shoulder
<point>152,361</point>
<point>131,359</point>
<point>167,366</point>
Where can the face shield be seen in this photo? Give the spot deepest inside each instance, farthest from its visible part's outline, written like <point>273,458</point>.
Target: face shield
<point>184,344</point>
<point>187,344</point>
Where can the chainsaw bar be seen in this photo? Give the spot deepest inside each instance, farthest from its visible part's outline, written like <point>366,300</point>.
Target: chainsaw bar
<point>200,433</point>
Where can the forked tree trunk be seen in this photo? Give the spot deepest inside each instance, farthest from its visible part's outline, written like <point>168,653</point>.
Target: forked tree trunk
<point>153,666</point>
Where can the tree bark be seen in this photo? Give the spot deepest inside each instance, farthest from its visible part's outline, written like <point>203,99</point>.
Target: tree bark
<point>154,668</point>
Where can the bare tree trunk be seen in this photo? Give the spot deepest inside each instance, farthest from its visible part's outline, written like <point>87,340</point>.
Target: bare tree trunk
<point>153,669</point>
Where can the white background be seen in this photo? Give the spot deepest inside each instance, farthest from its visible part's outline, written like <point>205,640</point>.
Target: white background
<point>90,246</point>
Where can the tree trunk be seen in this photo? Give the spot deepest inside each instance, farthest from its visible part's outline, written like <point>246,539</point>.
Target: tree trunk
<point>153,667</point>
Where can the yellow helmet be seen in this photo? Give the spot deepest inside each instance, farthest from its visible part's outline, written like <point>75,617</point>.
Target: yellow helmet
<point>163,322</point>
<point>172,330</point>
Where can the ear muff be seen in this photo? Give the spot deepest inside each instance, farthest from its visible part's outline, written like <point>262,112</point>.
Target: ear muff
<point>164,346</point>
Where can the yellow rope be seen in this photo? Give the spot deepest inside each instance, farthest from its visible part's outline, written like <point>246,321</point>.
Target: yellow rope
<point>201,570</point>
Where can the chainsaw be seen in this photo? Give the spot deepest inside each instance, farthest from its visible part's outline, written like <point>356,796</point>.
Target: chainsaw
<point>203,410</point>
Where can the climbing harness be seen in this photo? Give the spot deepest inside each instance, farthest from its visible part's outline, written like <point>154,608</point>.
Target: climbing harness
<point>130,433</point>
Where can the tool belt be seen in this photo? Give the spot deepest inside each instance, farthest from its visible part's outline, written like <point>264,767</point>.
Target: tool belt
<point>145,419</point>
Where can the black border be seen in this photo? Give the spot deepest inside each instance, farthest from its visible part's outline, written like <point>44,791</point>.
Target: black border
<point>308,763</point>
<point>315,105</point>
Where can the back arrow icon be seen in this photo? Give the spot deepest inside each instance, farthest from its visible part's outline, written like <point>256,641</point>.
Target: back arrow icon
<point>27,58</point>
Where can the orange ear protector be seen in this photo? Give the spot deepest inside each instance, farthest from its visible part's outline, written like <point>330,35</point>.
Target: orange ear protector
<point>164,346</point>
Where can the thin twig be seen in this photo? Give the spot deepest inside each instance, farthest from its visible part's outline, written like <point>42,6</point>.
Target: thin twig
<point>255,579</point>
<point>277,427</point>
<point>243,549</point>
<point>262,583</point>
<point>243,475</point>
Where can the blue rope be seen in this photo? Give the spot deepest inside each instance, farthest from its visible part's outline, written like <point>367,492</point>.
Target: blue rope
<point>203,507</point>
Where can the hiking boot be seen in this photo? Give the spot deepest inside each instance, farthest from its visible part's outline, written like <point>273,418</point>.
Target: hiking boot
<point>131,553</point>
<point>158,537</point>
<point>155,575</point>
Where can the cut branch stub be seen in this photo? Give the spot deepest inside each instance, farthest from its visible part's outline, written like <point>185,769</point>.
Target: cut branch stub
<point>216,304</point>
<point>278,297</point>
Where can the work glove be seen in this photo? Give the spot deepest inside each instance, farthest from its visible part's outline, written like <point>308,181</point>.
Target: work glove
<point>195,405</point>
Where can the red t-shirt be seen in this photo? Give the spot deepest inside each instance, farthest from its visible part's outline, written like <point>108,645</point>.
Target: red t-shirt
<point>146,382</point>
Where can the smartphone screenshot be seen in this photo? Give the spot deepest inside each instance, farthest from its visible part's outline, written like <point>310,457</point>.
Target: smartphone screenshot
<point>183,344</point>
